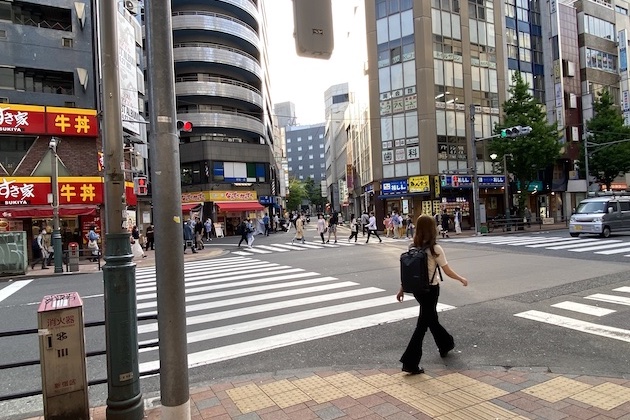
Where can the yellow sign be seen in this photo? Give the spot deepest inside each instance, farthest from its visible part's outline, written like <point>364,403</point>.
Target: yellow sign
<point>204,196</point>
<point>436,183</point>
<point>419,184</point>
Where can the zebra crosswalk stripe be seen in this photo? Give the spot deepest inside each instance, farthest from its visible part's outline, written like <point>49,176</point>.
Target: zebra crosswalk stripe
<point>584,309</point>
<point>226,304</point>
<point>233,351</point>
<point>12,288</point>
<point>577,325</point>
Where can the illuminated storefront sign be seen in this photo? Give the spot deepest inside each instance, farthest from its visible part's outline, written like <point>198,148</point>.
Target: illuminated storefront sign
<point>205,196</point>
<point>72,190</point>
<point>29,119</point>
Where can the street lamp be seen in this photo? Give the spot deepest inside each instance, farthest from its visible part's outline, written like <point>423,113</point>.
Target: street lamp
<point>56,236</point>
<point>506,184</point>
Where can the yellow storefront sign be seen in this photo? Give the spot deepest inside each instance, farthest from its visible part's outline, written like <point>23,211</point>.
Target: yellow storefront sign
<point>419,184</point>
<point>205,196</point>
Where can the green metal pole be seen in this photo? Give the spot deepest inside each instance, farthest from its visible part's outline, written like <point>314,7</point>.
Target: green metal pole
<point>56,234</point>
<point>124,400</point>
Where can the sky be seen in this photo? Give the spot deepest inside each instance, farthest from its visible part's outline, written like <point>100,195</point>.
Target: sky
<point>301,80</point>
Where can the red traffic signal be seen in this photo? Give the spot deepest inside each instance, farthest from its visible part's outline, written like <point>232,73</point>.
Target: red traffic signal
<point>185,126</point>
<point>141,185</point>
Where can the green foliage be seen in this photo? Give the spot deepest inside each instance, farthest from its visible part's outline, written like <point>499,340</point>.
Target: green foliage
<point>607,161</point>
<point>297,193</point>
<point>314,193</point>
<point>531,153</point>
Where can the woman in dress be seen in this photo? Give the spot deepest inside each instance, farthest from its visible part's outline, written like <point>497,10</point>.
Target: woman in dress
<point>321,226</point>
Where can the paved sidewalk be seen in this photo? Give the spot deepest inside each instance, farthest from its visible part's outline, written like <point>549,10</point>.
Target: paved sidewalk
<point>487,393</point>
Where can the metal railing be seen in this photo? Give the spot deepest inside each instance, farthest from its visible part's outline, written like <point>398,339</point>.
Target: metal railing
<point>34,331</point>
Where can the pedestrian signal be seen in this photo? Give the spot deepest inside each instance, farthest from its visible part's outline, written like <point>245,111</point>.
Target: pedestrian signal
<point>185,126</point>
<point>140,185</point>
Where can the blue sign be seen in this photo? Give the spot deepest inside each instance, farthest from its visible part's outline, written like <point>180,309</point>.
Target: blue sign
<point>491,181</point>
<point>394,187</point>
<point>265,199</point>
<point>456,181</point>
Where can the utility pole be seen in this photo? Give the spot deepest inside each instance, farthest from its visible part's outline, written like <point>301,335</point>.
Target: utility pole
<point>167,211</point>
<point>475,183</point>
<point>124,400</point>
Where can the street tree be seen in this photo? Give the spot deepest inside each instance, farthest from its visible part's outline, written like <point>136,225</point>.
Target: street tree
<point>314,193</point>
<point>607,161</point>
<point>297,193</point>
<point>533,152</point>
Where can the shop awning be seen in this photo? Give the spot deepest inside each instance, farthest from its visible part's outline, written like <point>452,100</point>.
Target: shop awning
<point>45,212</point>
<point>190,206</point>
<point>239,206</point>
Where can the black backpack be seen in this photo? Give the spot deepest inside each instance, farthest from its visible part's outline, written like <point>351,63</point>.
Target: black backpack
<point>414,271</point>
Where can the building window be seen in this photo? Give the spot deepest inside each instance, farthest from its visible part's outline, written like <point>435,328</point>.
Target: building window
<point>289,150</point>
<point>299,139</point>
<point>621,10</point>
<point>67,42</point>
<point>310,137</point>
<point>310,157</point>
<point>321,146</point>
<point>299,157</point>
<point>321,136</point>
<point>599,27</point>
<point>311,166</point>
<point>300,177</point>
<point>322,165</point>
<point>288,141</point>
<point>299,148</point>
<point>600,60</point>
<point>310,147</point>
<point>289,159</point>
<point>300,167</point>
<point>321,155</point>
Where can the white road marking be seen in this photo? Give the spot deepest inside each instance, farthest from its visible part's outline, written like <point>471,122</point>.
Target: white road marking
<point>601,297</point>
<point>293,337</point>
<point>624,289</point>
<point>582,308</point>
<point>574,324</point>
<point>12,288</point>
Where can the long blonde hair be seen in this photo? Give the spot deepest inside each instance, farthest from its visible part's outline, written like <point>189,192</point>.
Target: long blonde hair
<point>426,233</point>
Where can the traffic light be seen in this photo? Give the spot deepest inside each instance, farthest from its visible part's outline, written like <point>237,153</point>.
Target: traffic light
<point>140,185</point>
<point>185,126</point>
<point>515,131</point>
<point>313,28</point>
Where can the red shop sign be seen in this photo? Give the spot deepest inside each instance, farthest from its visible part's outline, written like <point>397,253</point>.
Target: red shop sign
<point>72,190</point>
<point>71,122</point>
<point>23,119</point>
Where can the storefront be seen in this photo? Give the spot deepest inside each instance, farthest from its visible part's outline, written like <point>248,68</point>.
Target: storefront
<point>229,208</point>
<point>24,205</point>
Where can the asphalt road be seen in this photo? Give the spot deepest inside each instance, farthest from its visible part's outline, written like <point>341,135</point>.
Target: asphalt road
<point>306,325</point>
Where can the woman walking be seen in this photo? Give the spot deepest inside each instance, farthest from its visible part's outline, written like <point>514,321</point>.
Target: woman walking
<point>299,230</point>
<point>321,226</point>
<point>425,237</point>
<point>355,224</point>
<point>332,225</point>
<point>371,227</point>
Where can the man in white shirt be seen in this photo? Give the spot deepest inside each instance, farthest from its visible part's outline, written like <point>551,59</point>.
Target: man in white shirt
<point>371,227</point>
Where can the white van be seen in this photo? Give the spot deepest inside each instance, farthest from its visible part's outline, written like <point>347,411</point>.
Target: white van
<point>601,215</point>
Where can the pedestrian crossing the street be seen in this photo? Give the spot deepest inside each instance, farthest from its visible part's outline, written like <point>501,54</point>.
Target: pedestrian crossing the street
<point>591,310</point>
<point>575,245</point>
<point>299,246</point>
<point>237,306</point>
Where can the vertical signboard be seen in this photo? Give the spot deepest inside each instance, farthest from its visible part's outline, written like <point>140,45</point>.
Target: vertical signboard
<point>127,72</point>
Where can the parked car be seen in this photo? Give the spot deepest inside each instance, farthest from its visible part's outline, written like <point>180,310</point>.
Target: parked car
<point>601,215</point>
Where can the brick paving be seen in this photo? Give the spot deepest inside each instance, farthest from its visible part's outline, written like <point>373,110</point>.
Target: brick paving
<point>441,394</point>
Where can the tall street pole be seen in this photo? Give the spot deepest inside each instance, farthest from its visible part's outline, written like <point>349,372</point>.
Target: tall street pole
<point>56,234</point>
<point>475,183</point>
<point>167,212</point>
<point>506,186</point>
<point>124,400</point>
